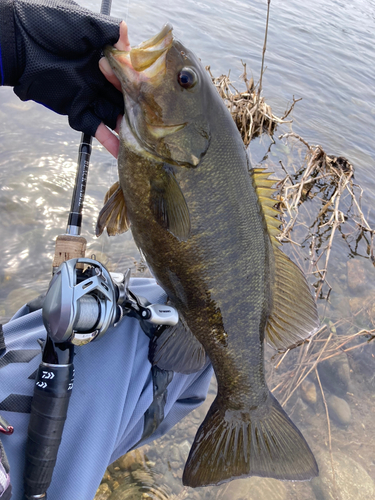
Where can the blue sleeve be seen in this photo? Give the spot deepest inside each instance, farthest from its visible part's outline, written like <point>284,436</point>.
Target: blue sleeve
<point>112,391</point>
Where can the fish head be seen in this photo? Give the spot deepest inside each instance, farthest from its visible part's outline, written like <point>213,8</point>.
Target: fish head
<point>166,97</point>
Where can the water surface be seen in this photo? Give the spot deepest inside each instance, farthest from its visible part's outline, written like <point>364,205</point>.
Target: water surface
<point>321,51</point>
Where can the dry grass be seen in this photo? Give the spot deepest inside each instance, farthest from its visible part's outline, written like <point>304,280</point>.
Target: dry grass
<point>329,181</point>
<point>252,115</point>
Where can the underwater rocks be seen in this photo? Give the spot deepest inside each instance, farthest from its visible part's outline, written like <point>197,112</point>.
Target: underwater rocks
<point>339,410</point>
<point>308,392</point>
<point>356,274</point>
<point>255,488</point>
<point>351,480</point>
<point>103,492</point>
<point>335,374</point>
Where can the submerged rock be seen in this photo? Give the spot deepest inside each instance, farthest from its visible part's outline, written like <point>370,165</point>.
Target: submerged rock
<point>103,492</point>
<point>308,392</point>
<point>335,374</point>
<point>352,481</point>
<point>254,488</point>
<point>132,460</point>
<point>339,410</point>
<point>356,273</point>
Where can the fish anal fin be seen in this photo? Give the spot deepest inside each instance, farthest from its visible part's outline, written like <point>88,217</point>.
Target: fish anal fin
<point>293,317</point>
<point>168,204</point>
<point>262,442</point>
<point>177,349</point>
<point>113,215</point>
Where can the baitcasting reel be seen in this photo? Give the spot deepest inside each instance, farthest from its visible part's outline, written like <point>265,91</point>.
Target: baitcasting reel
<point>84,300</point>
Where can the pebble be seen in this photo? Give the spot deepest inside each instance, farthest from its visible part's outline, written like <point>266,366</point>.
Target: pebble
<point>308,392</point>
<point>175,454</point>
<point>131,461</point>
<point>339,410</point>
<point>103,492</point>
<point>335,374</point>
<point>352,481</point>
<point>367,304</point>
<point>255,488</point>
<point>356,274</point>
<point>184,450</point>
<point>300,410</point>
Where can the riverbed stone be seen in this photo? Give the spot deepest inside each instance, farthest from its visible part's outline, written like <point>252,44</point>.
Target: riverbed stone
<point>365,305</point>
<point>352,480</point>
<point>308,392</point>
<point>335,374</point>
<point>103,492</point>
<point>339,410</point>
<point>184,450</point>
<point>131,461</point>
<point>356,274</point>
<point>255,488</point>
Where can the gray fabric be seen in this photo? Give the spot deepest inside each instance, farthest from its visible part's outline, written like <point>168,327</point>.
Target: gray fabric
<point>4,469</point>
<point>112,391</point>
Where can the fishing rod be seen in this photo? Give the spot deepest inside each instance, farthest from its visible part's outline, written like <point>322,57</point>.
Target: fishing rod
<point>83,300</point>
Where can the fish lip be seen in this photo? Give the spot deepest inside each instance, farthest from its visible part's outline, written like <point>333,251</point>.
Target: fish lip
<point>143,63</point>
<point>156,40</point>
<point>142,57</point>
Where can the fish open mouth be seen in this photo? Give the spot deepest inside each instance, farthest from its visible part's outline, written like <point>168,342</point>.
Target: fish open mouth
<point>146,61</point>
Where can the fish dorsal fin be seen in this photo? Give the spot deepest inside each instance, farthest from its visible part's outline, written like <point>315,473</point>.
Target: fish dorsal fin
<point>113,215</point>
<point>168,204</point>
<point>177,349</point>
<point>264,189</point>
<point>294,316</point>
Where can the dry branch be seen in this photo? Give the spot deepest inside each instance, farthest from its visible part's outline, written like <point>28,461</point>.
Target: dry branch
<point>248,109</point>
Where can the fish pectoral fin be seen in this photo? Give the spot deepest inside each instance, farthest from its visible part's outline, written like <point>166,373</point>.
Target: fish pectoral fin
<point>260,441</point>
<point>168,205</point>
<point>294,316</point>
<point>177,349</point>
<point>113,215</point>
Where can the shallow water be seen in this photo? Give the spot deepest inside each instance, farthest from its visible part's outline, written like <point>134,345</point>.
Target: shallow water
<point>320,51</point>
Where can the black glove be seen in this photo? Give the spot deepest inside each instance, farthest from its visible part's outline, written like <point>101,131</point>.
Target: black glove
<point>50,51</point>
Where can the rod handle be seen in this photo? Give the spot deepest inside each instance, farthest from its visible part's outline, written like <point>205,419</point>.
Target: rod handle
<point>68,247</point>
<point>49,408</point>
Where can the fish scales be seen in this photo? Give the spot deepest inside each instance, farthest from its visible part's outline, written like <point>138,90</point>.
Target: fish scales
<point>224,262</point>
<point>194,211</point>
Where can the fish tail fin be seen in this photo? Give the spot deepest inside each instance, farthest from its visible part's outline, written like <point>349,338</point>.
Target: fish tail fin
<point>239,443</point>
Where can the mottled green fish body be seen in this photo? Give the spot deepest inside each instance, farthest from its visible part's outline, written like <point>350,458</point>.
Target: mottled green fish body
<point>195,212</point>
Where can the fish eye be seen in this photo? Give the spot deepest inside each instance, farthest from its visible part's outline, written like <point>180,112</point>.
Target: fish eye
<point>187,78</point>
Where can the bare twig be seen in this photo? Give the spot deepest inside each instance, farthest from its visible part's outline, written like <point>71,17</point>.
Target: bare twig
<point>329,431</point>
<point>264,52</point>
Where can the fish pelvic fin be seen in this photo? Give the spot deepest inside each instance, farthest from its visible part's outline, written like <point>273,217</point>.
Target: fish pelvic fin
<point>236,444</point>
<point>113,215</point>
<point>294,316</point>
<point>177,349</point>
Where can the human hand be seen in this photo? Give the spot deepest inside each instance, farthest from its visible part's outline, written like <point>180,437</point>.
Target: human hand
<point>54,60</point>
<point>103,134</point>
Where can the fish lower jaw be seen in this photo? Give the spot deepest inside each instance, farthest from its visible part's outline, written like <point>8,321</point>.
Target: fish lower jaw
<point>129,141</point>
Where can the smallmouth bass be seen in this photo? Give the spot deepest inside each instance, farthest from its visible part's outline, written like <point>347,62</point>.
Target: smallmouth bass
<point>204,221</point>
